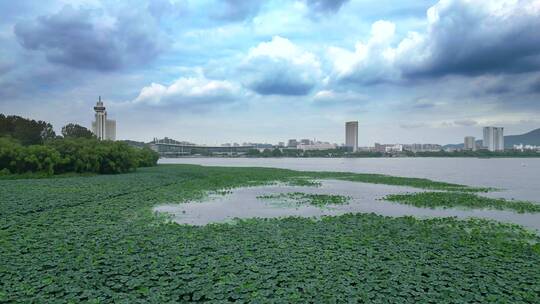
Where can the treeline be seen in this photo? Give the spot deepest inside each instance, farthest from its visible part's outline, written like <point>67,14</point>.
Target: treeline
<point>26,131</point>
<point>29,146</point>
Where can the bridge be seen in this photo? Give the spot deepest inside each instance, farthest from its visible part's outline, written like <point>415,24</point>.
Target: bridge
<point>171,148</point>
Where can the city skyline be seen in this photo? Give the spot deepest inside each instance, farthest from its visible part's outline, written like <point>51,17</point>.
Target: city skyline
<point>252,69</point>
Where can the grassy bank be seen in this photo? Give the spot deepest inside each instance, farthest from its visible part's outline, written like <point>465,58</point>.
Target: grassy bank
<point>94,239</point>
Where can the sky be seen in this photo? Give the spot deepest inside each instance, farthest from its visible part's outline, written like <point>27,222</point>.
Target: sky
<point>217,71</point>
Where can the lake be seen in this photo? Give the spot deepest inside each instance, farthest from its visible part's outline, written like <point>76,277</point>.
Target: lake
<point>516,178</point>
<point>519,177</point>
<point>245,202</point>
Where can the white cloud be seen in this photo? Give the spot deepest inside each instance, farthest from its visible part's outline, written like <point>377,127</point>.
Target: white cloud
<point>280,67</point>
<point>371,61</point>
<point>333,97</point>
<point>190,90</point>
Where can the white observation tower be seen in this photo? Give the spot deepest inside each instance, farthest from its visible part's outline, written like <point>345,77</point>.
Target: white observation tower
<point>104,129</point>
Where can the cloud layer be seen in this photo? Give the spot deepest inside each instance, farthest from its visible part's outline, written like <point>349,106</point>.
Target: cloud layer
<point>434,68</point>
<point>88,39</point>
<point>462,37</point>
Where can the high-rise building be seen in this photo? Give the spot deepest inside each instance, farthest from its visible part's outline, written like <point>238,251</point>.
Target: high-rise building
<point>351,135</point>
<point>493,138</point>
<point>305,141</point>
<point>469,143</point>
<point>292,143</point>
<point>103,128</point>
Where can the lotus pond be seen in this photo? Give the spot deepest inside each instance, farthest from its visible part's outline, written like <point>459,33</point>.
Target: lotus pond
<point>97,239</point>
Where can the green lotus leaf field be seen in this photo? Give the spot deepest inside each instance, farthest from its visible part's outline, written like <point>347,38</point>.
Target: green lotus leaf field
<point>95,239</point>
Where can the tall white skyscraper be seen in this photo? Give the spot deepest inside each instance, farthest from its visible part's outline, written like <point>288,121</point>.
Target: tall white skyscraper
<point>351,135</point>
<point>494,138</point>
<point>470,143</point>
<point>103,128</point>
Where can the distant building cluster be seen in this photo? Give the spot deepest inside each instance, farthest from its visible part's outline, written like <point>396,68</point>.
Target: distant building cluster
<point>522,148</point>
<point>103,128</point>
<point>388,148</point>
<point>493,140</point>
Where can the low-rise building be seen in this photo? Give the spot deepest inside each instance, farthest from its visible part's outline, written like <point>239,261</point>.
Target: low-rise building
<point>316,146</point>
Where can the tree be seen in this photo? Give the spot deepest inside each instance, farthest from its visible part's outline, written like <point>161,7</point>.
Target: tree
<point>76,131</point>
<point>26,131</point>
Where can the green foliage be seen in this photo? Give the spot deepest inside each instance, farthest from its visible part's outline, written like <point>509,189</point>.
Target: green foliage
<point>74,155</point>
<point>147,157</point>
<point>26,131</point>
<point>300,198</point>
<point>95,239</point>
<point>76,131</point>
<point>15,158</point>
<point>303,182</point>
<point>458,199</point>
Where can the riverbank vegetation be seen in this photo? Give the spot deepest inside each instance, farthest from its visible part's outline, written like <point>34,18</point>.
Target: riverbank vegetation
<point>459,199</point>
<point>80,155</point>
<point>29,147</point>
<point>95,239</point>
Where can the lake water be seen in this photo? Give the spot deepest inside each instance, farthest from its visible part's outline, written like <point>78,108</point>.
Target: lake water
<point>520,179</point>
<point>364,198</point>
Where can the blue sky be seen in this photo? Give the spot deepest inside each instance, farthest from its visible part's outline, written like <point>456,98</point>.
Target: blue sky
<point>214,71</point>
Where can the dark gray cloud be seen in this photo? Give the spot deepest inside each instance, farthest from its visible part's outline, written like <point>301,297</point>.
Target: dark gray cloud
<point>81,39</point>
<point>464,38</point>
<point>281,82</point>
<point>278,77</point>
<point>535,86</point>
<point>325,6</point>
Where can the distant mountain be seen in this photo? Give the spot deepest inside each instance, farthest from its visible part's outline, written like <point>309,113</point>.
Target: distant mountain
<point>530,138</point>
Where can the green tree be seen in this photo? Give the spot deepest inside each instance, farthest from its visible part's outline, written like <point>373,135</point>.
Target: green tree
<point>26,131</point>
<point>76,131</point>
<point>277,153</point>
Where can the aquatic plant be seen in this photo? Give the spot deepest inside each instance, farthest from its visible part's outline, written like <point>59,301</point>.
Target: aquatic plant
<point>96,240</point>
<point>458,199</point>
<point>421,183</point>
<point>303,182</point>
<point>300,198</point>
